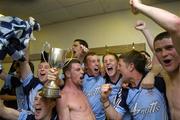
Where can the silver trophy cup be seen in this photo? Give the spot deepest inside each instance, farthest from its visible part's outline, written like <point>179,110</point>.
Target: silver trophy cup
<point>57,59</point>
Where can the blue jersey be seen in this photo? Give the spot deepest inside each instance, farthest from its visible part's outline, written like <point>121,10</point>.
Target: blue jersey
<point>143,104</point>
<point>116,87</point>
<point>92,89</point>
<point>31,86</point>
<point>11,82</point>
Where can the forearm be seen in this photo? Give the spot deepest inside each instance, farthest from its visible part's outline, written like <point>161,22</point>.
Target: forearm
<point>148,81</point>
<point>7,97</point>
<point>9,113</point>
<point>165,19</point>
<point>111,113</point>
<point>149,38</point>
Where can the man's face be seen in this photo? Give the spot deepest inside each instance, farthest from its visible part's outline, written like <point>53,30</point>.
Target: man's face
<point>110,65</point>
<point>43,107</point>
<point>77,49</point>
<point>124,70</point>
<point>167,55</point>
<point>76,74</point>
<point>43,69</point>
<point>93,65</point>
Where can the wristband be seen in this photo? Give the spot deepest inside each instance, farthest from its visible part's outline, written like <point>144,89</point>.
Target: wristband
<point>106,106</point>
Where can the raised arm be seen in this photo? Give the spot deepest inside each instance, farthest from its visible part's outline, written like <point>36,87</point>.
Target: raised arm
<point>149,79</point>
<point>141,26</point>
<point>24,66</point>
<point>170,22</point>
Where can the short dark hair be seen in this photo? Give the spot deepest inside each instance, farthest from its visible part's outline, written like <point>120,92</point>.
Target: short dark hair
<point>88,54</point>
<point>68,65</point>
<point>161,36</point>
<point>110,53</point>
<point>82,42</point>
<point>136,58</point>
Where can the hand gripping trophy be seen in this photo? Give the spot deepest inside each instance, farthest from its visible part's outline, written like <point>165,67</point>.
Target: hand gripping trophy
<point>57,59</point>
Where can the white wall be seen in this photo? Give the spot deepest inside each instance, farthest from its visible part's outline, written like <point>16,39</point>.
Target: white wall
<point>110,29</point>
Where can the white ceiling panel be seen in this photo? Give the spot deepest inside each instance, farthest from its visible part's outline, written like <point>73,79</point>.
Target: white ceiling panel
<point>51,11</point>
<point>67,3</point>
<point>92,7</point>
<point>53,16</point>
<point>114,5</point>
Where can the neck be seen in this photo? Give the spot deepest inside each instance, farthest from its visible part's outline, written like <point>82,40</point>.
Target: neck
<point>81,58</point>
<point>48,116</point>
<point>114,78</point>
<point>137,78</point>
<point>71,85</point>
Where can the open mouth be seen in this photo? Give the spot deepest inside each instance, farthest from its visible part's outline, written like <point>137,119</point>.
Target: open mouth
<point>82,77</point>
<point>38,109</point>
<point>167,62</point>
<point>96,69</point>
<point>42,74</point>
<point>109,68</point>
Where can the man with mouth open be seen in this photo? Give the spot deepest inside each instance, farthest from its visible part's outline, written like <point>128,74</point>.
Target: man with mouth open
<point>166,47</point>
<point>113,78</point>
<point>92,84</point>
<point>43,110</point>
<point>142,104</point>
<point>73,104</point>
<point>80,49</point>
<point>112,74</point>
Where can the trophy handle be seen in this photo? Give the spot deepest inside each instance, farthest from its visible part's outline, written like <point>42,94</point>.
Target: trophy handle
<point>68,59</point>
<point>46,48</point>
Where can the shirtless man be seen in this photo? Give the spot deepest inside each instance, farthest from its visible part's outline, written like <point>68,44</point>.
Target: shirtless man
<point>165,50</point>
<point>73,104</point>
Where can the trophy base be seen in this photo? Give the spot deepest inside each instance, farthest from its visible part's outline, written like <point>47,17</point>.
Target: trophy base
<point>51,92</point>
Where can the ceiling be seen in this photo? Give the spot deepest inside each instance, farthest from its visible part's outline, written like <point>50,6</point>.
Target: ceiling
<point>54,11</point>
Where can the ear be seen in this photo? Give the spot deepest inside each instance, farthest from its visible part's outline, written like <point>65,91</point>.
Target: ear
<point>67,73</point>
<point>131,67</point>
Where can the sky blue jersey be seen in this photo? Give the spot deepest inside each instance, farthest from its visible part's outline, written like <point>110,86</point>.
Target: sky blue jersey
<point>92,89</point>
<point>143,104</point>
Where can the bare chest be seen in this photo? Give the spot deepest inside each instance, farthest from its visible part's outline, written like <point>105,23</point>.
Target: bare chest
<point>173,95</point>
<point>78,102</point>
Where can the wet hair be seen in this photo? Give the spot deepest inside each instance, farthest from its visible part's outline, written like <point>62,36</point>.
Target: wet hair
<point>161,36</point>
<point>68,65</point>
<point>136,58</point>
<point>88,54</point>
<point>110,53</point>
<point>82,42</point>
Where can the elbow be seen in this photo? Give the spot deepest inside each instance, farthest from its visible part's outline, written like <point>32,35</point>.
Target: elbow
<point>176,28</point>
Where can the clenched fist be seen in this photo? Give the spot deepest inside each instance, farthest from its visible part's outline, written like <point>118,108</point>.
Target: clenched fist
<point>134,4</point>
<point>105,91</point>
